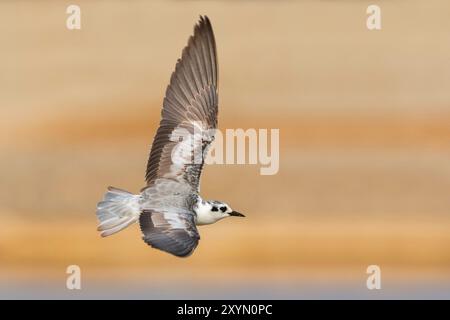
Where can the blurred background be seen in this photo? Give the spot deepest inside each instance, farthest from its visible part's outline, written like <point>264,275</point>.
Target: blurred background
<point>364,119</point>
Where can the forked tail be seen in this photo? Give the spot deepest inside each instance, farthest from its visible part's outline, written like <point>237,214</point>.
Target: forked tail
<point>117,211</point>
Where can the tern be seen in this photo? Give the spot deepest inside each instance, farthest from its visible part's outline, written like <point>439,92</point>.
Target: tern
<point>169,208</point>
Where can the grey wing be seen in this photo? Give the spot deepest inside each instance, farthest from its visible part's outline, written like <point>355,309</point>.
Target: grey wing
<point>166,221</point>
<point>170,231</point>
<point>190,107</point>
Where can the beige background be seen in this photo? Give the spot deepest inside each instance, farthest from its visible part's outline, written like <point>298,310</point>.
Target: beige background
<point>364,119</point>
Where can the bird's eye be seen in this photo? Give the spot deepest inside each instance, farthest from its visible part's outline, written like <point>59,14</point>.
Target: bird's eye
<point>214,209</point>
<point>223,209</point>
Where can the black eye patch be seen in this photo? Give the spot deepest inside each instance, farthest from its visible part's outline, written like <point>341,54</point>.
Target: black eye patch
<point>223,209</point>
<point>214,209</point>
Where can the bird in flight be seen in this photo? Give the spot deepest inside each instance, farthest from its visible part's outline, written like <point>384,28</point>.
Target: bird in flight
<point>169,207</point>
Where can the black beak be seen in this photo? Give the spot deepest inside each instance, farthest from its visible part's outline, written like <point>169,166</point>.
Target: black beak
<point>236,214</point>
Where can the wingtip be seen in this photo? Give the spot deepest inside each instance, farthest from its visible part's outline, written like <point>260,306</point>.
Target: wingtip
<point>204,20</point>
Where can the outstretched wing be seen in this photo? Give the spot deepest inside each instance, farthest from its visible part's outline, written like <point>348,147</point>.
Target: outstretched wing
<point>173,232</point>
<point>166,221</point>
<point>189,114</point>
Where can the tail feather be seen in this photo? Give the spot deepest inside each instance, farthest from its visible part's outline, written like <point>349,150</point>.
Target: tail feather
<point>118,210</point>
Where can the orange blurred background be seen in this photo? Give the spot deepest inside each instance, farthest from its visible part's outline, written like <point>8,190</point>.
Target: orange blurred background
<point>364,119</point>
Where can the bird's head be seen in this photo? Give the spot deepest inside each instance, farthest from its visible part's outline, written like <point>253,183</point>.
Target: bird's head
<point>223,210</point>
<point>212,211</point>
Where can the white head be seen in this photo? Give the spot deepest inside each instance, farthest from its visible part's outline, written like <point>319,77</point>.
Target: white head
<point>212,211</point>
